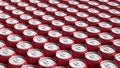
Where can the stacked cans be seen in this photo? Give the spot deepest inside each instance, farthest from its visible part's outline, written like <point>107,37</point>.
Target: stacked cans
<point>59,34</point>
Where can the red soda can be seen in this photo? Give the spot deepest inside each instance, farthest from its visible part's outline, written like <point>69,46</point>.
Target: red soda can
<point>43,29</point>
<point>15,2</point>
<point>9,8</point>
<point>4,16</point>
<point>33,55</point>
<point>2,65</point>
<point>33,23</point>
<point>46,62</point>
<point>81,25</point>
<point>6,53</point>
<point>39,41</point>
<point>73,2</point>
<point>115,21</point>
<point>47,19</point>
<point>17,13</point>
<point>28,34</point>
<point>107,50</point>
<point>106,38</point>
<point>16,62</point>
<point>116,32</point>
<point>30,9</point>
<point>54,2</point>
<point>62,6</point>
<point>4,32</point>
<point>104,15</point>
<point>25,18</point>
<point>116,44</point>
<point>42,5</point>
<point>71,11</point>
<point>113,3</point>
<point>82,6</point>
<point>50,10</point>
<point>114,11</point>
<point>93,10</point>
<point>93,44</point>
<point>60,15</point>
<point>103,7</point>
<point>77,63</point>
<point>54,35</point>
<point>93,3</point>
<point>63,57</point>
<point>69,20</point>
<point>34,2</point>
<point>19,28</point>
<point>93,21</point>
<point>29,66</point>
<point>68,30</point>
<point>38,14</point>
<point>78,50</point>
<point>108,64</point>
<point>22,5</point>
<point>65,43</point>
<point>117,59</point>
<point>2,44</point>
<point>50,49</point>
<point>22,47</point>
<point>80,36</point>
<point>57,24</point>
<point>3,4</point>
<point>82,15</point>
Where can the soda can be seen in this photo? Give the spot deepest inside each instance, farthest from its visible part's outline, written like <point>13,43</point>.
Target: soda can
<point>116,32</point>
<point>12,40</point>
<point>22,47</point>
<point>3,4</point>
<point>22,5</point>
<point>63,57</point>
<point>93,21</point>
<point>3,17</point>
<point>77,63</point>
<point>114,11</point>
<point>39,41</point>
<point>9,8</point>
<point>108,64</point>
<point>113,3</point>
<point>50,49</point>
<point>43,29</point>
<point>93,10</point>
<point>80,36</point>
<point>57,24</point>
<point>54,35</point>
<point>37,14</point>
<point>92,59</point>
<point>28,34</point>
<point>47,19</point>
<point>71,11</point>
<point>83,6</point>
<point>33,55</point>
<point>4,32</point>
<point>115,21</point>
<point>93,31</point>
<point>33,23</point>
<point>106,38</point>
<point>59,67</point>
<point>10,22</point>
<point>73,3</point>
<point>82,15</point>
<point>107,50</point>
<point>29,66</point>
<point>105,26</point>
<point>54,2</point>
<point>42,5</point>
<point>78,50</point>
<point>116,44</point>
<point>2,44</point>
<point>65,43</point>
<point>93,44</point>
<point>50,10</point>
<point>17,13</point>
<point>103,7</point>
<point>2,65</point>
<point>30,9</point>
<point>69,20</point>
<point>104,1</point>
<point>46,62</point>
<point>117,59</point>
<point>62,6</point>
<point>104,15</point>
<point>81,25</point>
<point>15,2</point>
<point>6,53</point>
<point>93,3</point>
<point>60,15</point>
<point>16,62</point>
<point>68,30</point>
<point>24,18</point>
<point>19,28</point>
<point>34,2</point>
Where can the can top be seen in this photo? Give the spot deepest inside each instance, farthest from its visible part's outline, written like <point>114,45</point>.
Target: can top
<point>80,34</point>
<point>34,1</point>
<point>38,12</point>
<point>29,32</point>
<point>66,40</point>
<point>82,14</point>
<point>2,65</point>
<point>94,56</point>
<point>34,22</point>
<point>115,20</point>
<point>39,39</point>
<point>114,11</point>
<point>10,7</point>
<point>105,7</point>
<point>60,67</point>
<point>16,60</point>
<point>30,8</point>
<point>54,1</point>
<point>20,26</point>
<point>116,30</point>
<point>93,19</point>
<point>93,41</point>
<point>51,9</point>
<point>11,21</point>
<point>83,6</point>
<point>23,45</point>
<point>25,16</point>
<point>2,43</point>
<point>14,38</point>
<point>93,29</point>
<point>106,35</point>
<point>7,51</point>
<point>103,0</point>
<point>104,15</point>
<point>79,47</point>
<point>117,56</point>
<point>105,24</point>
<point>68,28</point>
<point>51,46</point>
<point>77,63</point>
<point>5,31</point>
<point>23,4</point>
<point>117,42</point>
<point>4,3</point>
<point>44,27</point>
<point>4,16</point>
<point>46,62</point>
<point>15,1</point>
<point>34,53</point>
<point>95,3</point>
<point>63,54</point>
<point>113,3</point>
<point>93,10</point>
<point>70,18</point>
<point>73,2</point>
<point>48,17</point>
<point>72,9</point>
<point>58,22</point>
<point>81,23</point>
<point>17,12</point>
<point>28,66</point>
<point>54,33</point>
<point>42,5</point>
<point>107,49</point>
<point>108,64</point>
<point>62,5</point>
<point>60,13</point>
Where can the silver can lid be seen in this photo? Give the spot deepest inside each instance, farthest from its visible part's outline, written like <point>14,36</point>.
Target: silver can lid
<point>11,21</point>
<point>46,62</point>
<point>54,33</point>
<point>47,17</point>
<point>117,42</point>
<point>63,54</point>
<point>30,8</point>
<point>4,3</point>
<point>104,7</point>
<point>113,3</point>
<point>17,12</point>
<point>23,4</point>
<point>54,1</point>
<point>29,32</point>
<point>28,66</point>
<point>23,45</point>
<point>5,31</point>
<point>93,10</point>
<point>14,38</point>
<point>20,26</point>
<point>116,30</point>
<point>51,9</point>
<point>83,6</point>
<point>62,5</point>
<point>15,1</point>
<point>79,47</point>
<point>117,56</point>
<point>2,65</point>
<point>10,7</point>
<point>34,22</point>
<point>93,29</point>
<point>73,2</point>
<point>7,51</point>
<point>58,22</point>
<point>34,1</point>
<point>105,24</point>
<point>38,12</point>
<point>114,11</point>
<point>66,40</point>
<point>80,34</point>
<point>70,18</point>
<point>103,0</point>
<point>42,5</point>
<point>108,64</point>
<point>115,20</point>
<point>39,39</point>
<point>93,41</point>
<point>60,13</point>
<point>93,19</point>
<point>106,35</point>
<point>104,15</point>
<point>81,23</point>
<point>68,28</point>
<point>25,16</point>
<point>82,14</point>
<point>72,9</point>
<point>95,3</point>
<point>4,16</point>
<point>44,27</point>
